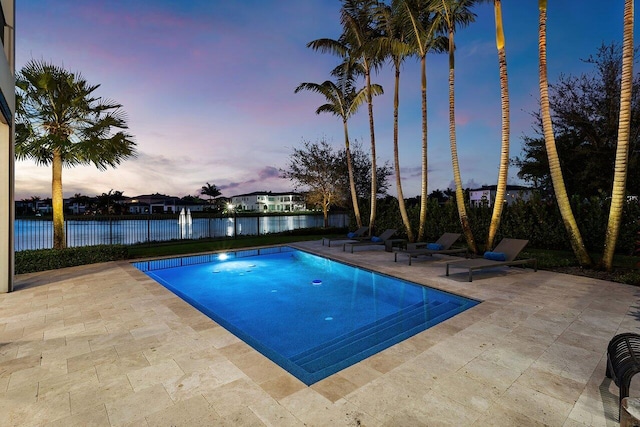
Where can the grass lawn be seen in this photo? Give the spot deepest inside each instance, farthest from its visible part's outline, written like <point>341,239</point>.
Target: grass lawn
<point>191,247</point>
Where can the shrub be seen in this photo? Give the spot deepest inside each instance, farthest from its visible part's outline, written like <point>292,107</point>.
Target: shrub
<point>51,259</point>
<point>536,220</point>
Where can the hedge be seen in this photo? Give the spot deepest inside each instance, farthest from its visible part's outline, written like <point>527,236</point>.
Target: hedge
<point>51,259</point>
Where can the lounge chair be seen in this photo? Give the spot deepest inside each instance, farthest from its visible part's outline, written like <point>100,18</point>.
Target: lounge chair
<point>372,241</point>
<point>441,246</point>
<point>503,254</point>
<point>359,234</point>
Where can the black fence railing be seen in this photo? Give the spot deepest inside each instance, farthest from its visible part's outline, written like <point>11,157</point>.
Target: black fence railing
<point>37,233</point>
<point>164,263</point>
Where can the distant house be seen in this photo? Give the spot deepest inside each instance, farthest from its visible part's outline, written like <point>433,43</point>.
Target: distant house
<point>263,201</point>
<point>76,207</point>
<point>486,195</point>
<point>160,203</point>
<point>31,207</point>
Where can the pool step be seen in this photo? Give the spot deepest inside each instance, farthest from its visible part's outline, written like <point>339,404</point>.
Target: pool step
<point>372,338</point>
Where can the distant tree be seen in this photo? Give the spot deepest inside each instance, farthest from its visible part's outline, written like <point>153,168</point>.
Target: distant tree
<point>79,198</point>
<point>317,170</point>
<point>210,190</point>
<point>109,203</point>
<point>442,196</point>
<point>193,200</point>
<point>60,121</point>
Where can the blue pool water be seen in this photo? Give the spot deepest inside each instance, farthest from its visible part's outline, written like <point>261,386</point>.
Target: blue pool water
<point>310,315</point>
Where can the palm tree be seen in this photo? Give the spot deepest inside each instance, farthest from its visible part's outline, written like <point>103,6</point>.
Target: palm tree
<point>418,20</point>
<point>360,34</point>
<point>454,14</point>
<point>622,150</point>
<point>560,190</point>
<point>357,44</point>
<point>343,100</point>
<point>504,151</point>
<point>61,122</point>
<point>393,44</point>
<point>211,191</point>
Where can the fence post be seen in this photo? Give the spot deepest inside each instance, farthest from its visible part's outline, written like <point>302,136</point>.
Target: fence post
<point>149,229</point>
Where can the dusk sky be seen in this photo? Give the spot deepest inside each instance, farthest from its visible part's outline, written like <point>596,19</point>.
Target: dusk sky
<point>208,88</point>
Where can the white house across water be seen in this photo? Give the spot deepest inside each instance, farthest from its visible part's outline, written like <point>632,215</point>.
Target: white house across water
<point>263,201</point>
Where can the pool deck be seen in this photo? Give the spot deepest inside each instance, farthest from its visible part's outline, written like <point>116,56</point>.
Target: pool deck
<point>105,345</point>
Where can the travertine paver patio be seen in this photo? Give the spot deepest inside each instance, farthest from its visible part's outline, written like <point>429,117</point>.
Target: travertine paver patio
<point>106,345</point>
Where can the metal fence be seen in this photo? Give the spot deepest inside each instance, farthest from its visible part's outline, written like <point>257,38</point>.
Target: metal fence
<point>131,229</point>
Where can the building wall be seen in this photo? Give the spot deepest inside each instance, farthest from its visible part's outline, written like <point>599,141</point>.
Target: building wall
<point>7,111</point>
<point>486,196</point>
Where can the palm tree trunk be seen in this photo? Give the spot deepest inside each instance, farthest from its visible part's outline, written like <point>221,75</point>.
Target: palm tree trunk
<point>622,151</point>
<point>575,238</point>
<point>374,177</point>
<point>352,181</point>
<point>462,211</point>
<point>424,189</point>
<point>59,241</point>
<point>504,151</point>
<point>396,159</point>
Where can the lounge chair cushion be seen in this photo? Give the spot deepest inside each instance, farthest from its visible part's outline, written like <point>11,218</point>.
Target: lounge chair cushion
<point>351,235</point>
<point>376,239</point>
<point>435,246</point>
<point>495,256</point>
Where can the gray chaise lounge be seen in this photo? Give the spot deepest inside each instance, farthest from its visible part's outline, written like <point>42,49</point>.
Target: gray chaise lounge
<point>509,247</point>
<point>372,241</point>
<point>422,249</point>
<point>359,234</point>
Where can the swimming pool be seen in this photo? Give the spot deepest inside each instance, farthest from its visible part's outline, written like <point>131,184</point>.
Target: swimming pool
<point>310,315</point>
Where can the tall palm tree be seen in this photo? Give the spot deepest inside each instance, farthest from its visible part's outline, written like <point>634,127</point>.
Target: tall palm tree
<point>418,20</point>
<point>455,14</point>
<point>343,100</point>
<point>357,18</point>
<point>503,170</point>
<point>357,44</point>
<point>393,44</point>
<point>622,150</point>
<point>575,238</point>
<point>61,122</point>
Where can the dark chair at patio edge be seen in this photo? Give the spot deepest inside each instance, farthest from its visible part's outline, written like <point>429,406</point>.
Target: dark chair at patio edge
<point>509,247</point>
